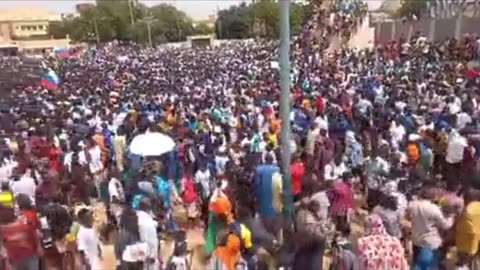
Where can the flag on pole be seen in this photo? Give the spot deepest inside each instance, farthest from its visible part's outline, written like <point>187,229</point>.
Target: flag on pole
<point>50,80</point>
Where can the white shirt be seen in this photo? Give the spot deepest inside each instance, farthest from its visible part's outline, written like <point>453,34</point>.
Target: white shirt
<point>87,242</point>
<point>456,145</point>
<point>463,119</point>
<point>203,178</point>
<point>322,199</point>
<point>6,170</point>
<point>25,185</point>
<point>321,122</point>
<point>427,220</point>
<point>398,133</point>
<point>334,172</point>
<point>95,165</point>
<point>115,188</point>
<point>148,232</point>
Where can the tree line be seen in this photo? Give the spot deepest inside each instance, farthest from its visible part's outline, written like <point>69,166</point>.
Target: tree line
<point>129,20</point>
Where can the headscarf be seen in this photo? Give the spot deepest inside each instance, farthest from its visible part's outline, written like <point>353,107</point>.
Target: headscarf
<point>220,205</point>
<point>374,226</point>
<point>378,250</point>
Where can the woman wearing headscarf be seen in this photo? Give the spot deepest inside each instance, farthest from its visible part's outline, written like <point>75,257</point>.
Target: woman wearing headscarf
<point>379,250</point>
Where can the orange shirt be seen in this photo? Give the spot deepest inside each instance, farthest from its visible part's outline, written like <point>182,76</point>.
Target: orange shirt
<point>275,124</point>
<point>413,153</point>
<point>100,141</point>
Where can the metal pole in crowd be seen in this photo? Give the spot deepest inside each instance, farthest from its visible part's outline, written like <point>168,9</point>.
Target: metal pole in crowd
<point>285,103</point>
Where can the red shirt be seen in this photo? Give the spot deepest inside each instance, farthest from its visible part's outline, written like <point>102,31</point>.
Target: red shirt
<point>297,171</point>
<point>19,239</point>
<point>319,103</point>
<point>31,218</point>
<point>53,154</point>
<point>471,74</point>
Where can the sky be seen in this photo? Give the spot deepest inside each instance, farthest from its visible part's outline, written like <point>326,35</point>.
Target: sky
<point>196,9</point>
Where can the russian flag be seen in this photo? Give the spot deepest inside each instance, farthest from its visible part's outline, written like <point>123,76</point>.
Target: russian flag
<point>50,80</point>
<point>63,52</point>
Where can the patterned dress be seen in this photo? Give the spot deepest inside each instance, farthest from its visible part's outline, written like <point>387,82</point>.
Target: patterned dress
<point>378,250</point>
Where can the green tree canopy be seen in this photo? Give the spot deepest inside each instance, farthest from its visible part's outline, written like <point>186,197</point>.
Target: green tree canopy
<point>112,19</point>
<point>129,20</point>
<point>412,7</point>
<point>259,18</point>
<point>202,29</point>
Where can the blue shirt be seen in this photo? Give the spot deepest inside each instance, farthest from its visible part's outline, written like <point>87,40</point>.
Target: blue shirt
<point>163,188</point>
<point>136,201</point>
<point>263,189</point>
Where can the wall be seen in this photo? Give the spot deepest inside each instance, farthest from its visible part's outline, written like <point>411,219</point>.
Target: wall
<point>29,28</point>
<point>433,29</point>
<point>42,44</point>
<point>5,32</point>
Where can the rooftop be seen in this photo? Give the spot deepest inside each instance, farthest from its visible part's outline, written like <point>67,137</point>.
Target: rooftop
<point>24,13</point>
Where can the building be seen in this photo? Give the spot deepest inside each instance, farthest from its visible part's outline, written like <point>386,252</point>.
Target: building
<point>26,29</point>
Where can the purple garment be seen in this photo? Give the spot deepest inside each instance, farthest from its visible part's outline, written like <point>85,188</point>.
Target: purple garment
<point>325,153</point>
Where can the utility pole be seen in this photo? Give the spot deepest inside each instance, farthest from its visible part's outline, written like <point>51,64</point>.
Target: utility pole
<point>285,106</point>
<point>218,23</point>
<point>95,29</point>
<point>130,9</point>
<point>149,30</point>
<point>149,21</point>
<point>177,25</point>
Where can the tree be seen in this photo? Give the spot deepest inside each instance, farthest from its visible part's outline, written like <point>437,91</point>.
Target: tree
<point>174,24</point>
<point>202,29</point>
<point>234,22</point>
<point>261,17</point>
<point>413,7</point>
<point>112,19</point>
<point>58,29</point>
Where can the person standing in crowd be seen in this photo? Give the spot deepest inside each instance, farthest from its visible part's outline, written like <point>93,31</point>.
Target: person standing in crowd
<point>427,223</point>
<point>128,236</point>
<point>467,234</point>
<point>379,250</point>
<point>341,199</point>
<point>264,189</point>
<point>87,241</point>
<point>148,233</point>
<point>20,240</point>
<point>297,170</point>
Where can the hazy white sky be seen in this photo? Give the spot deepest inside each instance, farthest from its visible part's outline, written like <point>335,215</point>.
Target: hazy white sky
<point>194,8</point>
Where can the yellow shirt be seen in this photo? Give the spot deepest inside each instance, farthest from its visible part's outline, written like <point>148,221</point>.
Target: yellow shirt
<point>6,198</point>
<point>272,138</point>
<point>468,229</point>
<point>246,236</point>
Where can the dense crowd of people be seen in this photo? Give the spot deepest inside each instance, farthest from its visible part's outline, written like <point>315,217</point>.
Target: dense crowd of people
<point>384,138</point>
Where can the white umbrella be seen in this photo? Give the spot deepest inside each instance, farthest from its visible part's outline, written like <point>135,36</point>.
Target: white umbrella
<point>151,144</point>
